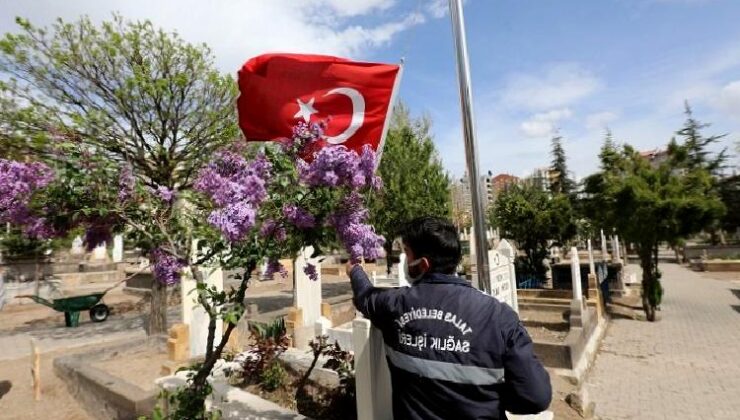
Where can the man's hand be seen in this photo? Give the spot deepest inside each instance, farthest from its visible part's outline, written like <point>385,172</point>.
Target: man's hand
<point>350,265</point>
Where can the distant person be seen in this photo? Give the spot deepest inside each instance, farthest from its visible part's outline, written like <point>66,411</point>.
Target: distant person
<point>453,351</point>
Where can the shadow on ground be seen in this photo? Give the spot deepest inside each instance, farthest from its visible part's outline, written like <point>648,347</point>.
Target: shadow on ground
<point>5,388</point>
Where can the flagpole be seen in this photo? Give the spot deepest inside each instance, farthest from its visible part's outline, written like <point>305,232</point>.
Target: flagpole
<point>466,102</point>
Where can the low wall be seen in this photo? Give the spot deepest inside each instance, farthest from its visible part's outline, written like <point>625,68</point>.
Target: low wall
<point>712,251</point>
<point>101,394</point>
<point>27,269</point>
<point>28,288</point>
<point>721,265</point>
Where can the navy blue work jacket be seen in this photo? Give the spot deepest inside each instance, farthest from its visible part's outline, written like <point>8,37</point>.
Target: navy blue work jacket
<point>453,351</point>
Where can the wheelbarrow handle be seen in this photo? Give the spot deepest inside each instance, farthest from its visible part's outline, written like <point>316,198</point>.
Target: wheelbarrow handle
<point>37,299</point>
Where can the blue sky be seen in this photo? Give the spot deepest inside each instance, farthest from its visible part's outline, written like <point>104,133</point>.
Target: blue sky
<point>575,66</point>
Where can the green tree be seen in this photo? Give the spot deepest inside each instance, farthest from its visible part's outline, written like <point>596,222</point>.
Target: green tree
<point>532,218</point>
<point>649,204</point>
<point>561,184</point>
<point>414,181</point>
<point>130,92</point>
<point>693,151</point>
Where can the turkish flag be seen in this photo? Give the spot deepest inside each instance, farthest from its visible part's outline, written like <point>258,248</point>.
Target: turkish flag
<point>279,90</point>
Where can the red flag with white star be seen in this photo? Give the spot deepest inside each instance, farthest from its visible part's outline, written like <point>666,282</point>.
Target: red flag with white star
<point>279,90</point>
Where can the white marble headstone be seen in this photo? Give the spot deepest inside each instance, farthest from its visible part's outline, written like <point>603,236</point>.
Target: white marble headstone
<point>575,271</point>
<point>193,313</point>
<point>604,253</point>
<point>307,291</point>
<point>402,280</point>
<point>591,267</point>
<point>117,248</point>
<point>77,248</point>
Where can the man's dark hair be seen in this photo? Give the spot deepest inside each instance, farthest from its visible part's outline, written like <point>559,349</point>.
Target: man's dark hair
<point>436,239</point>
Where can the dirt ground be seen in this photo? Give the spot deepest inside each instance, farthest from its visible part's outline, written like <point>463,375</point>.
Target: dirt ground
<point>139,366</point>
<point>17,403</point>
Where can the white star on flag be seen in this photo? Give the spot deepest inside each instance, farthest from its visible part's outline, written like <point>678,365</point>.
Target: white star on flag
<point>305,110</point>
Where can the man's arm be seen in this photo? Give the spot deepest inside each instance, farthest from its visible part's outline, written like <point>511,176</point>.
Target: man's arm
<point>367,298</point>
<point>527,388</point>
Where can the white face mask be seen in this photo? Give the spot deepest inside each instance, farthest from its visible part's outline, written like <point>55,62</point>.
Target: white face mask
<point>413,263</point>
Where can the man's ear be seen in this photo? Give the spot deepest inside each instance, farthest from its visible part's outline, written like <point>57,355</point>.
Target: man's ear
<point>424,265</point>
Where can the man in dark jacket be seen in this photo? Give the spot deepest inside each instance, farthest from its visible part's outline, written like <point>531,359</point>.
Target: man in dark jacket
<point>453,351</point>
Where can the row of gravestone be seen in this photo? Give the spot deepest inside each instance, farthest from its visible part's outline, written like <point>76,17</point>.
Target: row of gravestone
<point>100,252</point>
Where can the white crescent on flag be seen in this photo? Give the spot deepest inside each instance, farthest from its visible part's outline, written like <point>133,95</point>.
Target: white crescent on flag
<point>358,114</point>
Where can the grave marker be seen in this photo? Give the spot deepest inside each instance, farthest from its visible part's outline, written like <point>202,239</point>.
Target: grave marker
<point>402,280</point>
<point>100,253</point>
<point>307,293</point>
<point>502,275</point>
<point>193,313</point>
<point>604,254</point>
<point>577,312</point>
<point>591,267</point>
<point>117,253</point>
<point>615,249</point>
<point>77,248</point>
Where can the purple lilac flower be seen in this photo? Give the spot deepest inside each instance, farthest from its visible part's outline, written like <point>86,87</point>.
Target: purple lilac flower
<point>238,188</point>
<point>339,166</point>
<point>165,194</point>
<point>166,267</point>
<point>126,184</point>
<point>275,267</point>
<point>18,182</point>
<point>304,134</point>
<point>234,221</point>
<point>298,216</point>
<point>39,228</point>
<point>311,272</point>
<point>270,228</point>
<point>358,237</point>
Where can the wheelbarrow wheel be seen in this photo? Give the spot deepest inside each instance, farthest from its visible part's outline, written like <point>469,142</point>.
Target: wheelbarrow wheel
<point>99,313</point>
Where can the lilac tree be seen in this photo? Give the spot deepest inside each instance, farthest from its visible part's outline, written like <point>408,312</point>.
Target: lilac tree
<point>245,208</point>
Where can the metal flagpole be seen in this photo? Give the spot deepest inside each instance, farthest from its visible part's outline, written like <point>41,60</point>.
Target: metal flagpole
<point>466,102</point>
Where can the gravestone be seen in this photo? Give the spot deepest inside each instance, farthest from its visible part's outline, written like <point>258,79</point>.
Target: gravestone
<point>193,313</point>
<point>307,293</point>
<point>505,247</point>
<point>402,280</point>
<point>577,312</point>
<point>100,253</point>
<point>502,276</point>
<point>591,267</point>
<point>117,253</point>
<point>604,253</point>
<point>616,257</point>
<point>372,377</point>
<point>77,248</point>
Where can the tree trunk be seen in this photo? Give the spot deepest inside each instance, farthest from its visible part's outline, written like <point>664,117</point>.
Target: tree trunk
<point>648,280</point>
<point>157,323</point>
<point>388,246</point>
<point>198,390</point>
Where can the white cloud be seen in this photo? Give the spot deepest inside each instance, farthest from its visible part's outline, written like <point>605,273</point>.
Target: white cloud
<point>354,7</point>
<point>600,120</point>
<point>237,30</point>
<point>559,85</point>
<point>544,124</point>
<point>438,8</point>
<point>727,99</point>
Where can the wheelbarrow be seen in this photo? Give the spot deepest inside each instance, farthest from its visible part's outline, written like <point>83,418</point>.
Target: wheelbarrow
<point>71,306</point>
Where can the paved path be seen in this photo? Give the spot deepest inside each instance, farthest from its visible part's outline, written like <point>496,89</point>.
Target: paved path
<point>685,366</point>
